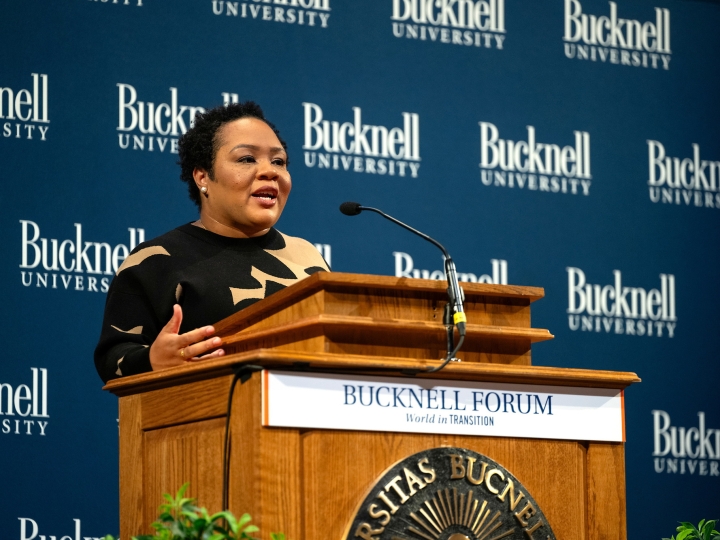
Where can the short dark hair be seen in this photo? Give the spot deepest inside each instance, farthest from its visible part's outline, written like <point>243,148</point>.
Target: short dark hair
<point>199,145</point>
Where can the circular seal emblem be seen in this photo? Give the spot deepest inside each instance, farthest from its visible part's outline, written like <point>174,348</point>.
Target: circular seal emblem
<point>448,494</point>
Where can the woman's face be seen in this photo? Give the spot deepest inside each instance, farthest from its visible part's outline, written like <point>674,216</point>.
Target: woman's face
<point>251,182</point>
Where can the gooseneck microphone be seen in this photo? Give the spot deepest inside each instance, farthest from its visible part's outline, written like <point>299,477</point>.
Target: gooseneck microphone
<point>455,293</point>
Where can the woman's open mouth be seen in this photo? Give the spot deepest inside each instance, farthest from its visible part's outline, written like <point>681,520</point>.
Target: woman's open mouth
<point>266,196</point>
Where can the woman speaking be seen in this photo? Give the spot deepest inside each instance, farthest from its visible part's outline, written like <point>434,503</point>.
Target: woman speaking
<point>168,291</point>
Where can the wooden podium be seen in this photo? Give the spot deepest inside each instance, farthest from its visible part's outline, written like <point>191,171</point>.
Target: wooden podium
<point>308,482</point>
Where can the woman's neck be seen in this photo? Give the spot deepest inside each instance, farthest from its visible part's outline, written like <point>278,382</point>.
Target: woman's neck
<point>209,223</point>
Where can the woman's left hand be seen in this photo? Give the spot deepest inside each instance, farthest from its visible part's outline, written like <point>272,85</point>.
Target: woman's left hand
<point>171,348</point>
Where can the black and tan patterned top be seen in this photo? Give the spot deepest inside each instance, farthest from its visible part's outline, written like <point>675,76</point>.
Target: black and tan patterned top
<point>209,275</point>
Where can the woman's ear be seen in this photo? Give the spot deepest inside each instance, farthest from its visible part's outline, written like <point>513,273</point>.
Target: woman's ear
<point>202,179</point>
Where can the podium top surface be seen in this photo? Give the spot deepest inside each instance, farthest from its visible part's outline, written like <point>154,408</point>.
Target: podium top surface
<point>338,281</point>
<point>341,279</point>
<point>327,362</point>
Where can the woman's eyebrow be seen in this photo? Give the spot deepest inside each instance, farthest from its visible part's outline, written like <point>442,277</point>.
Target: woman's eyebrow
<point>255,147</point>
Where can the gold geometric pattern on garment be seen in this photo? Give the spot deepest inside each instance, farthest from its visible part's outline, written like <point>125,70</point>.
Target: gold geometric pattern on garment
<point>178,292</point>
<point>238,295</point>
<point>118,372</point>
<point>140,256</point>
<point>137,330</point>
<point>300,251</point>
<point>297,255</point>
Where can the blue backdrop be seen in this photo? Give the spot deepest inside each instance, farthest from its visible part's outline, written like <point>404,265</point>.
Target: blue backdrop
<point>572,145</point>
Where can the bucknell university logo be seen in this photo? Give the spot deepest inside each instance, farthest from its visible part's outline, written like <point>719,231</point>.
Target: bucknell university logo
<point>472,23</point>
<point>616,309</point>
<point>24,112</point>
<point>359,147</point>
<point>535,166</point>
<point>300,12</point>
<point>150,126</point>
<point>73,263</point>
<point>687,181</point>
<point>405,267</point>
<point>685,450</point>
<point>614,40</point>
<point>24,408</point>
<point>155,127</point>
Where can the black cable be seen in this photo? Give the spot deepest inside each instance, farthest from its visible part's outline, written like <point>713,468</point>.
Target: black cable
<point>449,357</point>
<point>449,328</point>
<point>243,374</point>
<point>226,449</point>
<point>452,350</point>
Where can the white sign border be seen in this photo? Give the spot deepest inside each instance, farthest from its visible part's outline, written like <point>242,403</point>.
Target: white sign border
<point>601,425</point>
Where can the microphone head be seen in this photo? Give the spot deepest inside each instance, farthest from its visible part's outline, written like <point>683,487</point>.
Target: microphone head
<point>350,208</point>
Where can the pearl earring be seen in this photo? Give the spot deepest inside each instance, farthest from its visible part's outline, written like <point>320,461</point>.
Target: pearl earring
<point>204,190</point>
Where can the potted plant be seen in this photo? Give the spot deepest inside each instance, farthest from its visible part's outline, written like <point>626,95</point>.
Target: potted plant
<point>704,531</point>
<point>181,519</point>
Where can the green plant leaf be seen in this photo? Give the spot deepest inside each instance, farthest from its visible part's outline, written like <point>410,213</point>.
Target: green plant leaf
<point>686,533</point>
<point>232,522</point>
<point>244,519</point>
<point>181,519</point>
<point>223,514</point>
<point>199,524</point>
<point>217,528</point>
<point>708,529</point>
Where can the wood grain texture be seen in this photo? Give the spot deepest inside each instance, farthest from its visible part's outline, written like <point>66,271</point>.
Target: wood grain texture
<point>385,305</point>
<point>132,501</point>
<point>178,454</point>
<point>278,359</point>
<point>340,282</point>
<point>175,405</point>
<point>339,468</point>
<point>417,340</point>
<point>606,498</point>
<point>265,472</point>
<point>382,316</point>
<point>413,330</point>
<point>425,306</point>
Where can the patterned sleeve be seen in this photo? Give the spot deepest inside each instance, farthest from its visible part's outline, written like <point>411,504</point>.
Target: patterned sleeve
<point>130,325</point>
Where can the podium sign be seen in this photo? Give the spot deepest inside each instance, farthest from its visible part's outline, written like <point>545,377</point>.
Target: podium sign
<point>411,405</point>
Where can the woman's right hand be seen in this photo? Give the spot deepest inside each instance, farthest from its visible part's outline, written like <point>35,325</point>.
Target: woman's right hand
<point>173,349</point>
